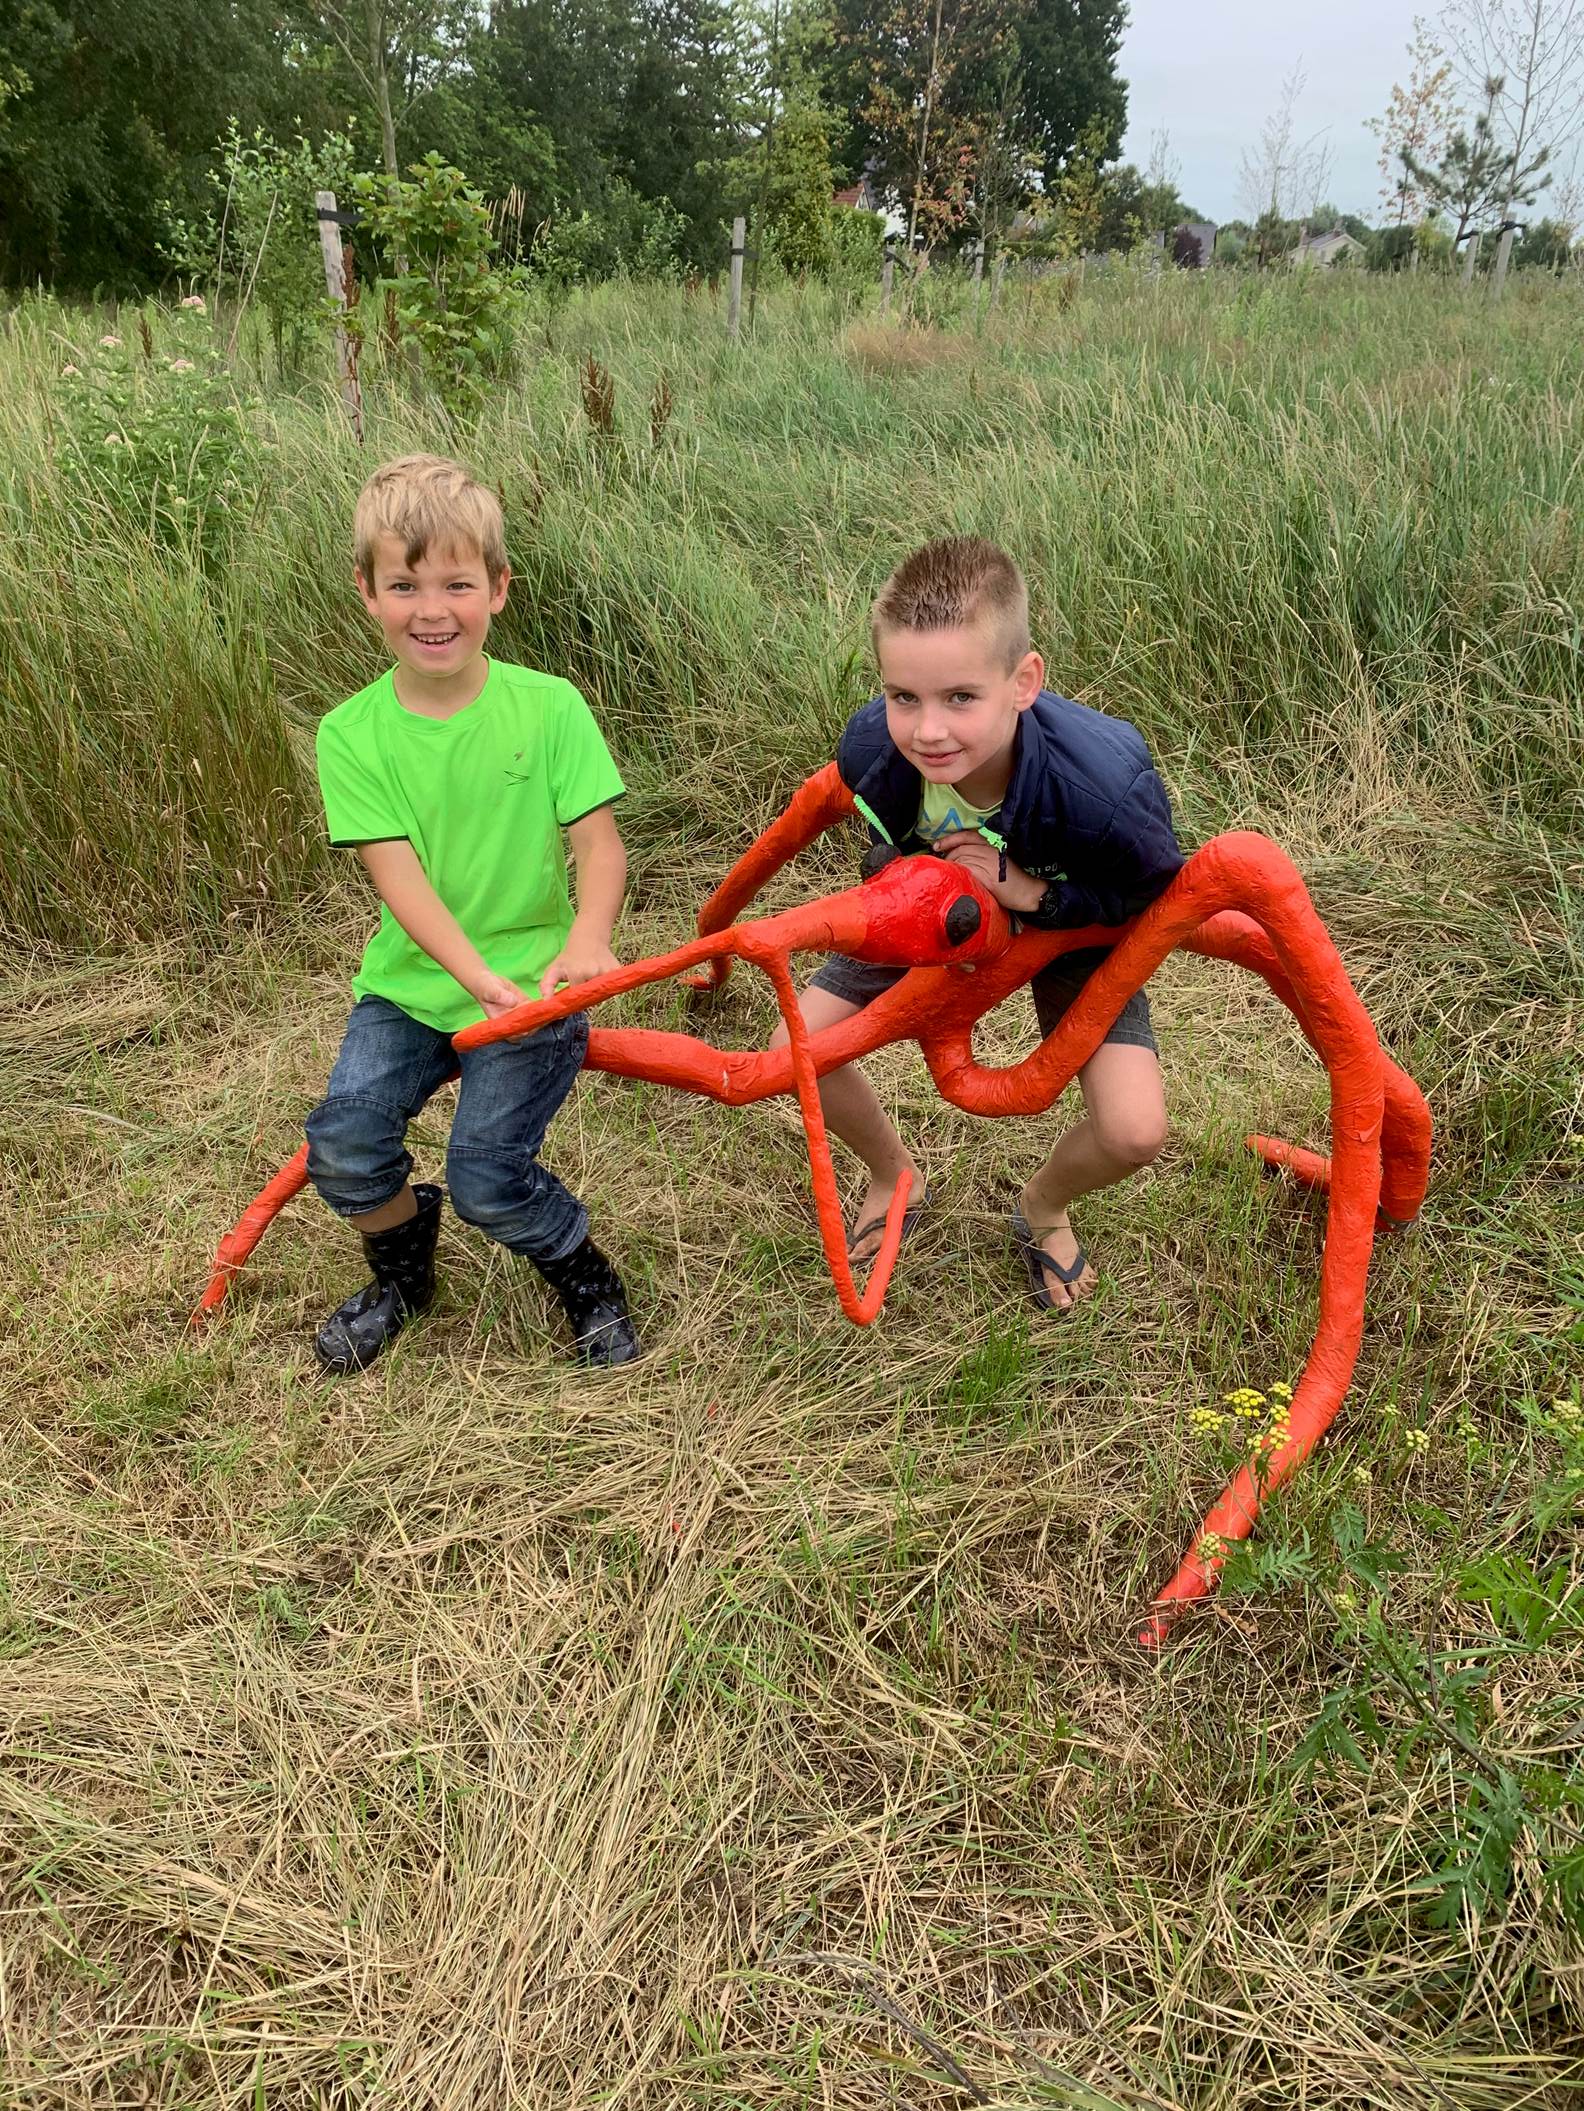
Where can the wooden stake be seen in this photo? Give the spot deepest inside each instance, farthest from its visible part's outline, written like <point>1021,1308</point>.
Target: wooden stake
<point>335,282</point>
<point>734,299</point>
<point>1473,252</point>
<point>887,274</point>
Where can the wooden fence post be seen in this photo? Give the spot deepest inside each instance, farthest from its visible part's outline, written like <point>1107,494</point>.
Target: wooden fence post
<point>887,274</point>
<point>739,244</point>
<point>335,282</point>
<point>1471,254</point>
<point>996,276</point>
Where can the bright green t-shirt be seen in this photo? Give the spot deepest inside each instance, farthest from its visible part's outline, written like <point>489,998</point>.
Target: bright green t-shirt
<point>943,811</point>
<point>482,797</point>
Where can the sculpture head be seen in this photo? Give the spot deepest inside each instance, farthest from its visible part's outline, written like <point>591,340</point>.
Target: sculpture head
<point>926,912</point>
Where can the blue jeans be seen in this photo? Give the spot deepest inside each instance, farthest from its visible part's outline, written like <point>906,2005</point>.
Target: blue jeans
<point>390,1064</point>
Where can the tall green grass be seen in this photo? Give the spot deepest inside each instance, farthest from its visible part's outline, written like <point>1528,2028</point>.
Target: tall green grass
<point>1249,511</point>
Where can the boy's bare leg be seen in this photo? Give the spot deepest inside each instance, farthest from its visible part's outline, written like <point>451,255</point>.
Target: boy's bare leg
<point>1123,1128</point>
<point>853,1113</point>
<point>401,1206</point>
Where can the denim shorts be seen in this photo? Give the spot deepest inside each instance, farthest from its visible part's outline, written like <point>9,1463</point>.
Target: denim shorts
<point>390,1064</point>
<point>1055,986</point>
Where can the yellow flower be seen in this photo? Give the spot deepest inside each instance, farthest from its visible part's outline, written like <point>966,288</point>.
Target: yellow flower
<point>1281,1392</point>
<point>1417,1439</point>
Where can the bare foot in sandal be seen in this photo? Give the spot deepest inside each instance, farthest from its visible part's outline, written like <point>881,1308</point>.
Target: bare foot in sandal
<point>863,1242</point>
<point>1051,1233</point>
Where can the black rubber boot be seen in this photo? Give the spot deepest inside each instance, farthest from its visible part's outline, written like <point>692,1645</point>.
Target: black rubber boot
<point>404,1280</point>
<point>596,1305</point>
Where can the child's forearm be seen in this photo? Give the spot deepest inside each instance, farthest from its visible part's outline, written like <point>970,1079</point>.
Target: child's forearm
<point>405,890</point>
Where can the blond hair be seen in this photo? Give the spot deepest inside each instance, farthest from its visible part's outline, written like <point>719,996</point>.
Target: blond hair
<point>428,503</point>
<point>950,583</point>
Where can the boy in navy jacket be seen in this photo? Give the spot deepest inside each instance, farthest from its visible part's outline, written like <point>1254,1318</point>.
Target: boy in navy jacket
<point>1058,812</point>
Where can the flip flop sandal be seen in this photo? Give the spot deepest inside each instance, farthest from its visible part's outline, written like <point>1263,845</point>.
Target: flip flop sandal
<point>871,1225</point>
<point>1041,1264</point>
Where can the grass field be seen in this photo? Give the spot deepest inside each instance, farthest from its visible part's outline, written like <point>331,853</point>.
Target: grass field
<point>763,1728</point>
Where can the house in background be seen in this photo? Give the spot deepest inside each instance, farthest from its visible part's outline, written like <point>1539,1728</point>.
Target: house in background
<point>1190,244</point>
<point>1193,244</point>
<point>1335,247</point>
<point>860,196</point>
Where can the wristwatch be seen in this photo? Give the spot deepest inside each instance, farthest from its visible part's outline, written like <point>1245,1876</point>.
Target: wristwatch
<point>1044,910</point>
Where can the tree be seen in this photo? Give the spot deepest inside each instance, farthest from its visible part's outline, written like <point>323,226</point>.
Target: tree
<point>798,191</point>
<point>1478,181</point>
<point>617,119</point>
<point>109,119</point>
<point>1283,176</point>
<point>1136,207</point>
<point>691,99</point>
<point>1069,50</point>
<point>1417,120</point>
<point>1534,51</point>
<point>1007,167</point>
<point>411,42</point>
<point>921,78</point>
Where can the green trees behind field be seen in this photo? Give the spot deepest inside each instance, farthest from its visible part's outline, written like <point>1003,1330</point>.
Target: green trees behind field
<point>614,115</point>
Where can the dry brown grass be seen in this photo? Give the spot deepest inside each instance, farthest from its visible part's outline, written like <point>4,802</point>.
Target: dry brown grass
<point>906,348</point>
<point>761,1728</point>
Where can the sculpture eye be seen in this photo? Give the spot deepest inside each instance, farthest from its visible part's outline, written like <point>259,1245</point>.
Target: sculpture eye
<point>962,920</point>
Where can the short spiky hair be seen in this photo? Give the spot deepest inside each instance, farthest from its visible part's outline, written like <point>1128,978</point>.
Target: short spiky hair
<point>958,580</point>
<point>428,503</point>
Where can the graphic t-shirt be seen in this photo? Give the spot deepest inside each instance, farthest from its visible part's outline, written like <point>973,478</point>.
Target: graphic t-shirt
<point>943,811</point>
<point>482,797</point>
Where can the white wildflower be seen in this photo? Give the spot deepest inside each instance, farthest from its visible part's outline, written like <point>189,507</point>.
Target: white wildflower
<point>181,366</point>
<point>110,343</point>
<point>195,301</point>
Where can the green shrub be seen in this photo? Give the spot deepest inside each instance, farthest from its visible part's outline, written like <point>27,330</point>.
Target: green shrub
<point>855,244</point>
<point>629,236</point>
<point>452,304</point>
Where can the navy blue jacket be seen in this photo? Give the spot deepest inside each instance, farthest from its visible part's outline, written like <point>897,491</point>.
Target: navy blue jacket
<point>1084,806</point>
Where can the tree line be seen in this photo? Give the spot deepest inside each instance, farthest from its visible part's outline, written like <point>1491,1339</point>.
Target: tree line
<point>613,130</point>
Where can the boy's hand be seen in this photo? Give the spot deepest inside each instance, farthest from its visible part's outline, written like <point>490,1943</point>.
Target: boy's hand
<point>579,960</point>
<point>1019,891</point>
<point>497,995</point>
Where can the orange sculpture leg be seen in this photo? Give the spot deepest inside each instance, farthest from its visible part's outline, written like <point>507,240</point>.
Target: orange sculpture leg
<point>249,1228</point>
<point>1238,899</point>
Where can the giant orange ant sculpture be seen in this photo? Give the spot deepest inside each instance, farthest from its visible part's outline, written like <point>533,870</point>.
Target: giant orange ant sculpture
<point>1239,898</point>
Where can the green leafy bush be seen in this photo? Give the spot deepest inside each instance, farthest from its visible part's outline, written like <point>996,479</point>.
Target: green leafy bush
<point>855,246</point>
<point>632,236</point>
<point>453,304</point>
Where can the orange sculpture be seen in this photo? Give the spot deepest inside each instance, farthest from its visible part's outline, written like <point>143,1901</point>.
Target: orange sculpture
<point>1239,899</point>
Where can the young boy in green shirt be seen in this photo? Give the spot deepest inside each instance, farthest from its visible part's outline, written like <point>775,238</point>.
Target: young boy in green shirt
<point>452,777</point>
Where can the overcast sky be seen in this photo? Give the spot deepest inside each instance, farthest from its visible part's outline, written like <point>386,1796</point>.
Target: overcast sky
<point>1212,72</point>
